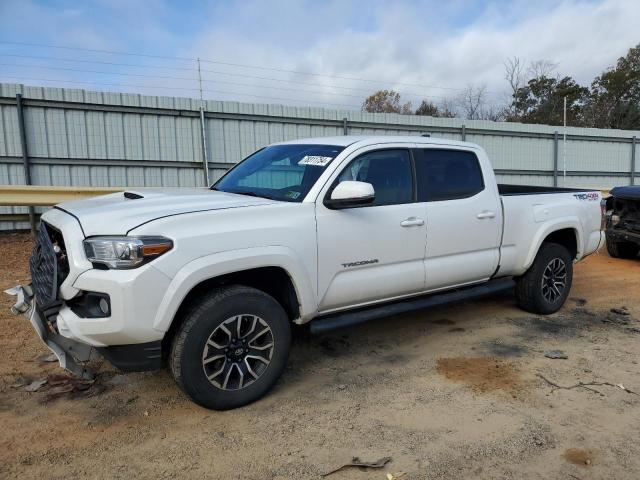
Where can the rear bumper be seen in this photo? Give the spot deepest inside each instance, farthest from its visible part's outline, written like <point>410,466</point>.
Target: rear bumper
<point>73,354</point>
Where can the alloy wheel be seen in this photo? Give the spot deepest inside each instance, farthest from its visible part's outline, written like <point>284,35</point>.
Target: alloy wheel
<point>554,280</point>
<point>238,352</point>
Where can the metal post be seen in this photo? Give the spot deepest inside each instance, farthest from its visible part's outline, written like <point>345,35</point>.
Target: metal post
<point>555,159</point>
<point>205,159</point>
<point>564,145</point>
<point>203,132</point>
<point>633,160</point>
<point>345,126</point>
<point>464,133</point>
<point>25,158</point>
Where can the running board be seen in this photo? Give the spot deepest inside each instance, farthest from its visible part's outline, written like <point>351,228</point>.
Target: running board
<point>355,317</point>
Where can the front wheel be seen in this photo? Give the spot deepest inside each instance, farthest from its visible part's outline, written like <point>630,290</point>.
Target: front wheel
<point>544,288</point>
<point>231,347</point>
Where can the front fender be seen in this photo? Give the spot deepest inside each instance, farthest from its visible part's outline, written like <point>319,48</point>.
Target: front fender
<point>546,230</point>
<point>217,264</point>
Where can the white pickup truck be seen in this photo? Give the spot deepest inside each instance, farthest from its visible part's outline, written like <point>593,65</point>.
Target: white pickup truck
<point>331,231</point>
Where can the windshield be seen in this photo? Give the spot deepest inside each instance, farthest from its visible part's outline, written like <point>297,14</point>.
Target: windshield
<point>279,172</point>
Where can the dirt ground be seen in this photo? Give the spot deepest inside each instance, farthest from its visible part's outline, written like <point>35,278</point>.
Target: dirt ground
<point>455,392</point>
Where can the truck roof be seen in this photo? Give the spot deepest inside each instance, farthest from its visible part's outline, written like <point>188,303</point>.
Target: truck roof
<point>364,140</point>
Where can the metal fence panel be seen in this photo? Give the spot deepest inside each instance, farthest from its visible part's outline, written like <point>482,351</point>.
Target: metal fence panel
<point>78,137</point>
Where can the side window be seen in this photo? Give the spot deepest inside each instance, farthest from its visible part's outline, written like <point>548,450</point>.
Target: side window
<point>447,175</point>
<point>389,171</point>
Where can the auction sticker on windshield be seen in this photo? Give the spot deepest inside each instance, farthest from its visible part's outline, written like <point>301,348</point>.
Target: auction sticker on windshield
<point>315,160</point>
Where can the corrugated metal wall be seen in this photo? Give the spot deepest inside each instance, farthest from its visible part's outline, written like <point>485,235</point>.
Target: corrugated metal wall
<point>78,137</point>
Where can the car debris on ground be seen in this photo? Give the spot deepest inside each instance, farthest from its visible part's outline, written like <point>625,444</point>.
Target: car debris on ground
<point>556,354</point>
<point>356,462</point>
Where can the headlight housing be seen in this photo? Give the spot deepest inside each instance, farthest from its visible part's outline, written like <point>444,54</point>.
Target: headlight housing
<point>125,252</point>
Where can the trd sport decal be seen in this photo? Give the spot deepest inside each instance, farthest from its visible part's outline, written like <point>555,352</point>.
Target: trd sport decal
<point>591,196</point>
<point>361,262</point>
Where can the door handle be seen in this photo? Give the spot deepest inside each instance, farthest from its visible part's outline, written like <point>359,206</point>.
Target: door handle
<point>486,214</point>
<point>411,222</point>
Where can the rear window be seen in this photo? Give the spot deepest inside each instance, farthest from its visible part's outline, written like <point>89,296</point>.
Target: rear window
<point>447,175</point>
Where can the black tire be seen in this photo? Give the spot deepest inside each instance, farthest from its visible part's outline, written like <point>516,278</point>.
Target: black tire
<point>192,342</point>
<point>531,295</point>
<point>618,249</point>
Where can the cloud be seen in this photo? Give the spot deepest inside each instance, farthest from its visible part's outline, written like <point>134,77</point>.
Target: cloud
<point>422,48</point>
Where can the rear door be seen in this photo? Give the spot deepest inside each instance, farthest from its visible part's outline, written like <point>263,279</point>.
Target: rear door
<point>464,217</point>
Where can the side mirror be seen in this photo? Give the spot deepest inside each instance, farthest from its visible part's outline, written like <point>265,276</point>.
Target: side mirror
<point>350,194</point>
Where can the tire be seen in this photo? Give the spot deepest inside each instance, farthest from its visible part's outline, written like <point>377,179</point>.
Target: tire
<point>210,330</point>
<point>619,249</point>
<point>553,263</point>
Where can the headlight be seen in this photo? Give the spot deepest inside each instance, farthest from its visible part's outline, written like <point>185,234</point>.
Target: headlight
<point>125,252</point>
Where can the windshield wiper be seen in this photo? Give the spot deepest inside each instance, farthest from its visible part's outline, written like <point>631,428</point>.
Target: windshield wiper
<point>251,194</point>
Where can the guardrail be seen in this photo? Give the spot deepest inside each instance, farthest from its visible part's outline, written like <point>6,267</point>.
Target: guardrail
<point>45,196</point>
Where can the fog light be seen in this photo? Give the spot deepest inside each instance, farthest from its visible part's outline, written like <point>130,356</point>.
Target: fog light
<point>104,306</point>
<point>91,305</point>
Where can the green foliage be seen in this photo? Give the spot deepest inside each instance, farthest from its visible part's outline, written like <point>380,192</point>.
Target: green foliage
<point>613,101</point>
<point>542,101</point>
<point>430,109</point>
<point>386,101</point>
<point>615,95</point>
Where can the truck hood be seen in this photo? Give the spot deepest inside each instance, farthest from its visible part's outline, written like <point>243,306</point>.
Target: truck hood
<point>626,193</point>
<point>118,213</point>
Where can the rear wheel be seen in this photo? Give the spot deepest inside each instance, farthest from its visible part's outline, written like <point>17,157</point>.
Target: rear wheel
<point>618,249</point>
<point>231,348</point>
<point>545,286</point>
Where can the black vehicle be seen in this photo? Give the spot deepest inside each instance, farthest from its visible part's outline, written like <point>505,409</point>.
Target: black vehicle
<point>623,222</point>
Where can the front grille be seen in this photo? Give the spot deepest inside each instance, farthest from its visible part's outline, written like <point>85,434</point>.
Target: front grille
<point>48,266</point>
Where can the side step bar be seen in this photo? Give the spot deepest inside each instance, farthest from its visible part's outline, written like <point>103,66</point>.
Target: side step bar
<point>355,317</point>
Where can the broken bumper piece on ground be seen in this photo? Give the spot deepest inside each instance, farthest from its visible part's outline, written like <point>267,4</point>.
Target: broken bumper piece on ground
<point>71,354</point>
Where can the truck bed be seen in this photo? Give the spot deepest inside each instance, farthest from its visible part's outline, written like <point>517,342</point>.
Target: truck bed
<point>530,212</point>
<point>511,190</point>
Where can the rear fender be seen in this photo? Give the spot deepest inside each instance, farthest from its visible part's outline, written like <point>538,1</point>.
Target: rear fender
<point>549,228</point>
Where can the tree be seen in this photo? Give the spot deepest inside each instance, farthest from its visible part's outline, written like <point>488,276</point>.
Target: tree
<point>517,75</point>
<point>430,109</point>
<point>386,101</point>
<point>447,108</point>
<point>615,95</point>
<point>541,101</point>
<point>541,68</point>
<point>471,101</point>
<point>514,74</point>
<point>474,106</point>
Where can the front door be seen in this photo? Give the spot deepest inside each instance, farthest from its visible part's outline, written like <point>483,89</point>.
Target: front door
<point>375,252</point>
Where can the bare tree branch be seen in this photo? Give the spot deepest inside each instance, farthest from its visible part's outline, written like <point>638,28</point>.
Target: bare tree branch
<point>585,385</point>
<point>541,68</point>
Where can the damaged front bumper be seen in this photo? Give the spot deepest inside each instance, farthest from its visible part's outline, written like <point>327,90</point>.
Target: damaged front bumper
<point>71,354</point>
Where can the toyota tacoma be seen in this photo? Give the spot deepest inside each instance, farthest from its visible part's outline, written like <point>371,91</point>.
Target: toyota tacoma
<point>325,231</point>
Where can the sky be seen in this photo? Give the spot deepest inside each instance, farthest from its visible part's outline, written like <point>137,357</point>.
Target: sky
<point>319,53</point>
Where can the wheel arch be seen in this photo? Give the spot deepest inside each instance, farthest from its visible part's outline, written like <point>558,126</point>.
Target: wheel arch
<point>272,270</point>
<point>565,233</point>
<point>272,280</point>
